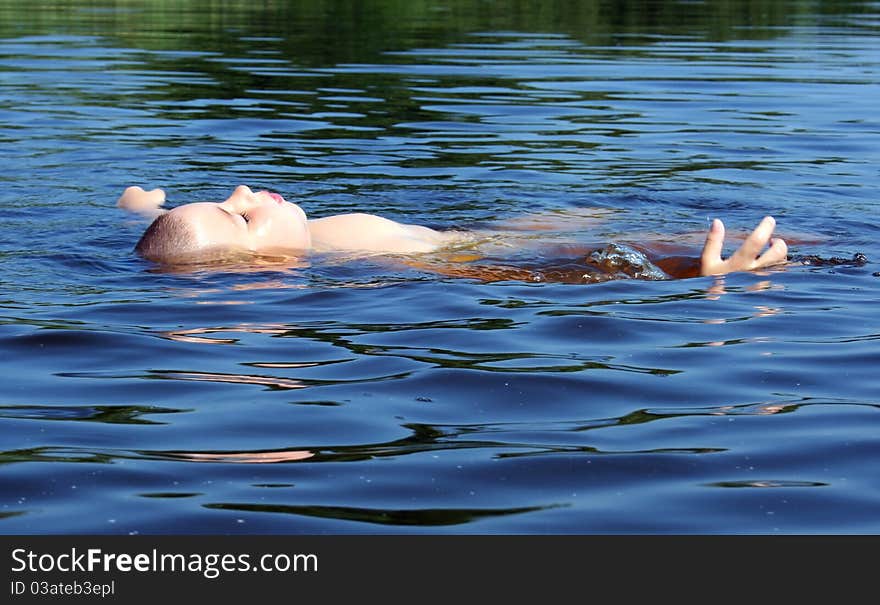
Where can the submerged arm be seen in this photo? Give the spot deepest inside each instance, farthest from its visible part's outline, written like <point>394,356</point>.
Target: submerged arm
<point>746,258</point>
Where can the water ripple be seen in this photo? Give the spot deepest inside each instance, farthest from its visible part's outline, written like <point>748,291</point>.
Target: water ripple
<point>490,389</point>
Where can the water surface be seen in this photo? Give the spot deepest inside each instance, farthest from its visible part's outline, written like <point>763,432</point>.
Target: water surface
<point>367,396</point>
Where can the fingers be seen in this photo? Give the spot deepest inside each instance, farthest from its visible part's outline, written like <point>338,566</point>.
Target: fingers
<point>136,199</point>
<point>746,255</point>
<point>778,253</point>
<point>129,196</point>
<point>710,259</point>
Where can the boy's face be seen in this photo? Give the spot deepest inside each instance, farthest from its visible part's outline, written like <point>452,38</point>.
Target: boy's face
<point>258,222</point>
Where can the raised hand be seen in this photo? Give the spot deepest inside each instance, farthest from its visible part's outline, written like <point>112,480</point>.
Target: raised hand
<point>748,256</point>
<point>147,203</point>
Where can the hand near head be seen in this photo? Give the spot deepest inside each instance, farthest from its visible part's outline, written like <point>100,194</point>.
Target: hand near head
<point>146,203</point>
<point>748,256</point>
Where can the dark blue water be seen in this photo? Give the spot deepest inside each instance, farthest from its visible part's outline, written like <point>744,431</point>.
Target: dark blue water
<point>365,396</point>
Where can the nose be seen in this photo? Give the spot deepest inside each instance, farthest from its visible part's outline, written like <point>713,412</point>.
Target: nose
<point>242,199</point>
<point>243,191</point>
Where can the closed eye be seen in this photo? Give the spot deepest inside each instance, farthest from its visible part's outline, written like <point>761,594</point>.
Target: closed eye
<point>235,215</point>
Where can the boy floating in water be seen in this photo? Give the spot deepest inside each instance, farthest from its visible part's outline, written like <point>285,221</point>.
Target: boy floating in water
<point>265,223</point>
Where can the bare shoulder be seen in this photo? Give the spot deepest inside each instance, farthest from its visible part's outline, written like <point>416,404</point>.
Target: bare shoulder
<point>375,234</point>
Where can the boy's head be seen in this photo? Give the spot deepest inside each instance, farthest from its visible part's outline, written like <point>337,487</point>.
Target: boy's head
<point>246,222</point>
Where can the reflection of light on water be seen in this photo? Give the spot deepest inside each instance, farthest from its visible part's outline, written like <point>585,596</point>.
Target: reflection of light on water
<point>761,409</point>
<point>766,483</point>
<point>285,364</point>
<point>271,284</point>
<point>764,311</point>
<point>243,457</point>
<point>717,290</point>
<point>192,334</point>
<point>268,381</point>
<point>765,284</point>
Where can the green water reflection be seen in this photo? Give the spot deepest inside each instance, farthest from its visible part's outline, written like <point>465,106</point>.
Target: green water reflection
<point>318,33</point>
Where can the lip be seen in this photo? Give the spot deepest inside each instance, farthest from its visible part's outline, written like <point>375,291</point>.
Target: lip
<point>275,196</point>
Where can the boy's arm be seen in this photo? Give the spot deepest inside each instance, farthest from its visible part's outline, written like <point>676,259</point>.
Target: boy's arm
<point>746,258</point>
<point>370,233</point>
<point>145,203</point>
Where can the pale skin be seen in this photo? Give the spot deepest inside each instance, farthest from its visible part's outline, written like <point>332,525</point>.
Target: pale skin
<point>265,223</point>
<point>749,256</point>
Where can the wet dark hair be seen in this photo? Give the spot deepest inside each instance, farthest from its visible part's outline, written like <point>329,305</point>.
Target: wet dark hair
<point>168,239</point>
